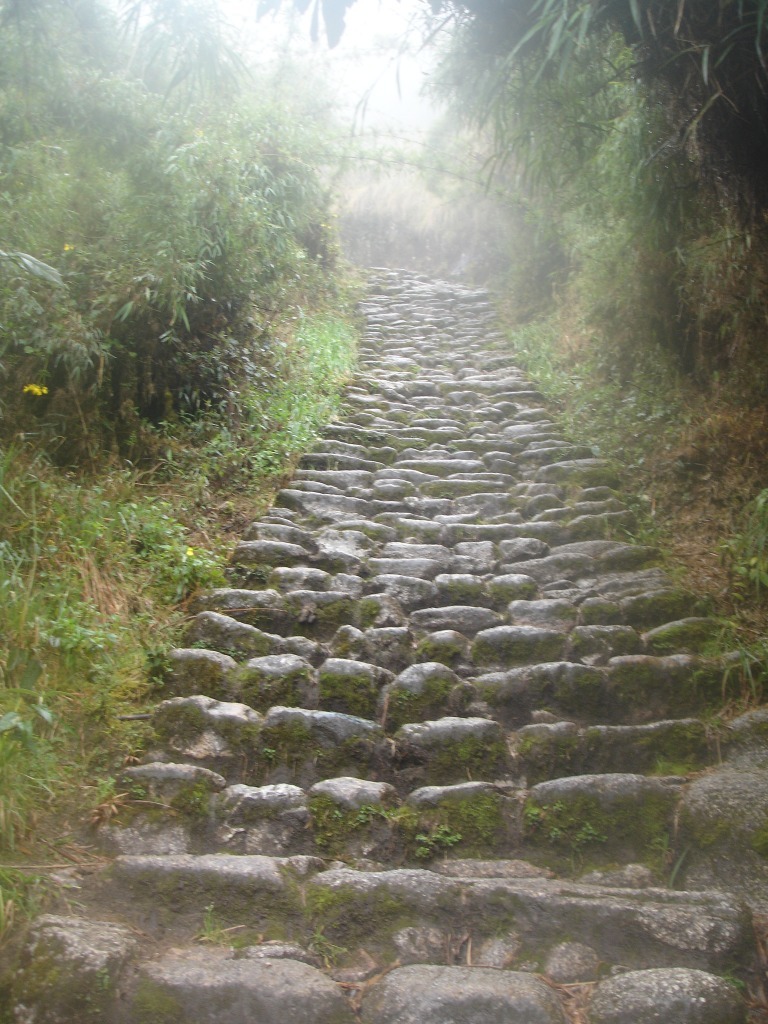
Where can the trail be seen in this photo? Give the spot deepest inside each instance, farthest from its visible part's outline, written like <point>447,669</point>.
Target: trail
<point>446,750</point>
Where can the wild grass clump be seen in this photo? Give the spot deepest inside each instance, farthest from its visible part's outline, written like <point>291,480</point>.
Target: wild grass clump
<point>168,261</point>
<point>97,571</point>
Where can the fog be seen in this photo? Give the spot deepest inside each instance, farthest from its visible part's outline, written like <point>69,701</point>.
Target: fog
<point>378,68</point>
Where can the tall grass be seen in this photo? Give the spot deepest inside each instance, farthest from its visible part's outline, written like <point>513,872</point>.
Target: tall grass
<point>96,573</point>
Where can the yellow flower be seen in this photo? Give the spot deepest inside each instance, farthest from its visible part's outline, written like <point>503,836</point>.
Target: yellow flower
<point>35,389</point>
<point>68,248</point>
<point>190,552</point>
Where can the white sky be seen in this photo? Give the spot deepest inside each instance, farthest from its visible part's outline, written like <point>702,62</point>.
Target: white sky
<point>379,60</point>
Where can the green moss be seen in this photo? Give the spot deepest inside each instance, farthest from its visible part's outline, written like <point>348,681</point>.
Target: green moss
<point>449,488</point>
<point>59,991</point>
<point>194,800</point>
<point>349,916</point>
<point>517,648</point>
<point>351,694</point>
<point>462,591</point>
<point>289,742</point>
<point>153,1004</point>
<point>294,745</point>
<point>758,841</point>
<point>262,690</point>
<point>333,827</point>
<point>404,706</point>
<point>706,832</point>
<point>470,758</point>
<point>595,612</point>
<point>549,756</point>
<point>470,827</point>
<point>583,826</point>
<point>442,647</point>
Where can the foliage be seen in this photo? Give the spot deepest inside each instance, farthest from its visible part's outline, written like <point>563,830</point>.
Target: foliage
<point>747,550</point>
<point>180,229</point>
<point>167,261</point>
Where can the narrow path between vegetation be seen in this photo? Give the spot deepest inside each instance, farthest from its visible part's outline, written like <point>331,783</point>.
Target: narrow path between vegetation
<point>446,752</point>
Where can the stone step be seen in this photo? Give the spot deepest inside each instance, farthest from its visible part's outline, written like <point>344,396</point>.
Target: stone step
<point>384,911</point>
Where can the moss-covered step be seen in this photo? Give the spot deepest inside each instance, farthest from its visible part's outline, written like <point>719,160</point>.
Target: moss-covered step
<point>199,730</point>
<point>192,670</point>
<point>302,746</point>
<point>72,970</point>
<point>451,750</point>
<point>563,688</point>
<point>678,747</point>
<point>272,820</point>
<point>284,679</point>
<point>356,818</point>
<point>194,987</point>
<point>262,608</point>
<point>626,927</point>
<point>598,819</point>
<point>506,647</point>
<point>351,687</point>
<point>318,614</point>
<point>420,692</point>
<point>642,688</point>
<point>470,819</point>
<point>390,647</point>
<point>172,892</point>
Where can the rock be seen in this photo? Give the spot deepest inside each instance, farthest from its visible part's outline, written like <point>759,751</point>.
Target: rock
<point>326,727</point>
<point>607,816</point>
<point>465,619</point>
<point>380,611</point>
<point>223,633</point>
<point>423,945</point>
<point>421,691</point>
<point>685,636</point>
<point>554,614</point>
<point>723,819</point>
<point>351,687</point>
<point>200,728</point>
<point>247,805</point>
<point>199,671</point>
<point>390,647</point>
<point>242,991</point>
<point>508,646</point>
<point>71,970</point>
<point>522,548</point>
<point>583,472</point>
<point>512,586</point>
<point>352,794</point>
<point>301,577</point>
<point>278,679</point>
<point>459,588</point>
<point>274,949</point>
<point>268,553</point>
<point>672,994</point>
<point>572,962</point>
<point>163,781</point>
<point>410,592</point>
<point>460,995</point>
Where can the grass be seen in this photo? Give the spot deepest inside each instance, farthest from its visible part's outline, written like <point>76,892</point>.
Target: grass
<point>97,572</point>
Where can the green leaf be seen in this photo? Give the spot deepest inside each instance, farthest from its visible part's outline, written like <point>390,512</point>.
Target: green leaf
<point>34,266</point>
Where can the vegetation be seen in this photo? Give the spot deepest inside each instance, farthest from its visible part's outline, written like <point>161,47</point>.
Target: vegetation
<point>173,329</point>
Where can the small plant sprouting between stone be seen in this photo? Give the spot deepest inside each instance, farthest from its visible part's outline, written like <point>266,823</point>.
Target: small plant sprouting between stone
<point>440,839</point>
<point>328,951</point>
<point>213,932</point>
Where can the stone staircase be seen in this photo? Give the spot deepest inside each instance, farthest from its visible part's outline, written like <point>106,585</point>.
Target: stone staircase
<point>447,751</point>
